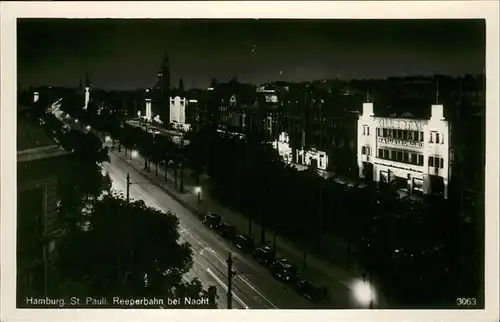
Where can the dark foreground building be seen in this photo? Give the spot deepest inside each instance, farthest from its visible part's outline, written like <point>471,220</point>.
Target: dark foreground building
<point>40,165</point>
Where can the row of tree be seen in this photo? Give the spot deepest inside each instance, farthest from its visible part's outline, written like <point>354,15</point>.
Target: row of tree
<point>113,247</point>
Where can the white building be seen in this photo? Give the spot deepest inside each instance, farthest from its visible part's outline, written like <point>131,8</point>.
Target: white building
<point>178,110</point>
<point>312,157</point>
<point>149,113</point>
<point>412,153</point>
<point>87,97</point>
<point>282,145</point>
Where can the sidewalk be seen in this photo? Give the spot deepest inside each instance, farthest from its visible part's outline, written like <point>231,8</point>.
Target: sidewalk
<point>321,272</point>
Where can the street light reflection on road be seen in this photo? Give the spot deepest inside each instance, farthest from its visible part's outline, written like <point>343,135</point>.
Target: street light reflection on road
<point>364,293</point>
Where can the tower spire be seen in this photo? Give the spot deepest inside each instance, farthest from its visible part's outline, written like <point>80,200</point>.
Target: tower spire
<point>437,90</point>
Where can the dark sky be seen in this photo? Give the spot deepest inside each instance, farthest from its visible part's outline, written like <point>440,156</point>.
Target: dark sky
<point>122,54</point>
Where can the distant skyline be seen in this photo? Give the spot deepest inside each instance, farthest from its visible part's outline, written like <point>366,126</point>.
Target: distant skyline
<point>126,53</point>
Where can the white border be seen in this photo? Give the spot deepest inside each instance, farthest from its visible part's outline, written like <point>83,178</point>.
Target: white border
<point>366,9</point>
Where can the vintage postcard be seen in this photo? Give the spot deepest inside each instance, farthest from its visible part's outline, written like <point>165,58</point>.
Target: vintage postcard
<point>180,160</point>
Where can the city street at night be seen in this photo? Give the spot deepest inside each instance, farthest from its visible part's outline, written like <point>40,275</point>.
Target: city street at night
<point>252,164</point>
<point>253,285</point>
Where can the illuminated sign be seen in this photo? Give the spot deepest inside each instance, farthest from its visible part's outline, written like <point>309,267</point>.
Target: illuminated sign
<point>401,124</point>
<point>400,142</point>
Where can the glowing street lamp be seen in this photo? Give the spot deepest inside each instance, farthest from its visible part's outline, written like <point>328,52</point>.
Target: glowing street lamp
<point>364,293</point>
<point>197,190</point>
<point>87,128</point>
<point>134,154</point>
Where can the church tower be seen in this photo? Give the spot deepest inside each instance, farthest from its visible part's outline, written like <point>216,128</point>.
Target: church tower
<point>163,85</point>
<point>87,92</point>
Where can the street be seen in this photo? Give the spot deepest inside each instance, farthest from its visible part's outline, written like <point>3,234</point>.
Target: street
<point>253,286</point>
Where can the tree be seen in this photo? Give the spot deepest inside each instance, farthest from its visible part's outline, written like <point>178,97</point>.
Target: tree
<point>87,181</point>
<point>129,250</point>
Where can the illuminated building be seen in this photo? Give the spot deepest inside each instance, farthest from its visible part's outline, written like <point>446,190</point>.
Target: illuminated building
<point>36,97</point>
<point>178,110</point>
<point>87,92</point>
<point>149,113</point>
<point>411,153</point>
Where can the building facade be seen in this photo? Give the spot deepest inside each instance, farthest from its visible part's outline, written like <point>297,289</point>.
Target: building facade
<point>178,110</point>
<point>40,165</point>
<point>413,154</point>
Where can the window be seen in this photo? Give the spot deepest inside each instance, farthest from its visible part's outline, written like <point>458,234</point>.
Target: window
<point>405,157</point>
<point>421,136</point>
<point>379,132</point>
<point>364,130</point>
<point>420,160</point>
<point>393,155</point>
<point>363,150</point>
<point>441,163</point>
<point>431,161</point>
<point>384,132</point>
<point>367,130</point>
<point>437,137</point>
<point>399,156</point>
<point>386,154</point>
<point>367,150</point>
<point>414,135</point>
<point>380,153</point>
<point>431,137</point>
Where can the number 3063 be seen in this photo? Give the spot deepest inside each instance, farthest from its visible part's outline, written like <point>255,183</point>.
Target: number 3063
<point>466,301</point>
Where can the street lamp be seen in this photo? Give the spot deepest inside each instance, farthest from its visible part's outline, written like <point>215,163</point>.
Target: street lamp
<point>197,190</point>
<point>364,293</point>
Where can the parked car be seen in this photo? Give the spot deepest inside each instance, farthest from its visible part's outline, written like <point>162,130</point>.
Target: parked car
<point>284,270</point>
<point>212,220</point>
<point>264,255</point>
<point>227,231</point>
<point>310,291</point>
<point>244,243</point>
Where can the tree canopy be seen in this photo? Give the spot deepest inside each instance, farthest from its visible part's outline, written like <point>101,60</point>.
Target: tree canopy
<point>129,250</point>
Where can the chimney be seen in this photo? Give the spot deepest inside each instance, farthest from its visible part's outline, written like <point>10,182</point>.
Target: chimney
<point>368,109</point>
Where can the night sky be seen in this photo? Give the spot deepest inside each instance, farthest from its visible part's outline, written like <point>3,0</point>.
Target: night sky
<point>126,54</point>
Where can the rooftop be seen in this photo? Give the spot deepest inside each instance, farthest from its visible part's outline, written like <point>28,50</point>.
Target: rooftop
<point>32,140</point>
<point>31,135</point>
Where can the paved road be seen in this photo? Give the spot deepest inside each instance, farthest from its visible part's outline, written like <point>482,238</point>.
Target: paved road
<point>253,286</point>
